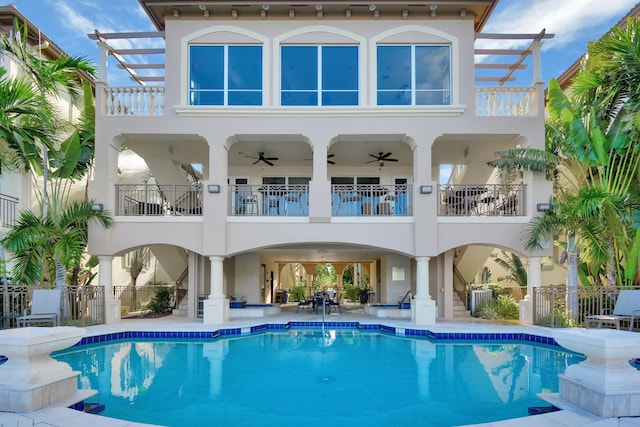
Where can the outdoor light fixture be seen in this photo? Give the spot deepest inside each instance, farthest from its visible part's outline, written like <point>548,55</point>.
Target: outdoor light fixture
<point>426,189</point>
<point>213,188</point>
<point>97,207</point>
<point>541,207</point>
<point>372,7</point>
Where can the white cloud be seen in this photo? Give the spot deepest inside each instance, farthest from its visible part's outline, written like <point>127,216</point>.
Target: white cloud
<point>567,19</point>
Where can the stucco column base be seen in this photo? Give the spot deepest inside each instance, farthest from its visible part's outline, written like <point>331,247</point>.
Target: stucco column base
<point>526,310</point>
<point>216,311</point>
<point>423,311</point>
<point>605,384</point>
<point>112,309</point>
<point>31,379</point>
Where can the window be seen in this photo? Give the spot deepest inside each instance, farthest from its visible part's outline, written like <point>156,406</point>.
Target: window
<point>414,75</point>
<point>319,75</point>
<point>225,75</point>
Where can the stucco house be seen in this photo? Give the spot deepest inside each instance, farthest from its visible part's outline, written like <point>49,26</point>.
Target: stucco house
<point>338,132</point>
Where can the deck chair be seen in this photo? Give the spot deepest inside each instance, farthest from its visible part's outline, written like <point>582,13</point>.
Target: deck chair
<point>627,308</point>
<point>335,303</point>
<point>303,304</point>
<point>45,307</point>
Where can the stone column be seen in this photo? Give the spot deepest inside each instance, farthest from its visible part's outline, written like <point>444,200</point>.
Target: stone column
<point>423,308</point>
<point>103,61</point>
<point>534,278</point>
<point>111,304</point>
<point>216,307</point>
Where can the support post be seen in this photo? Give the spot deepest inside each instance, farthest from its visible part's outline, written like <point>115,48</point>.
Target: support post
<point>423,308</point>
<point>216,307</point>
<point>111,305</point>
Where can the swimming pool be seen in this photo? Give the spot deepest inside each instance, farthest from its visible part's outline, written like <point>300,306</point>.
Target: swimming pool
<point>302,377</point>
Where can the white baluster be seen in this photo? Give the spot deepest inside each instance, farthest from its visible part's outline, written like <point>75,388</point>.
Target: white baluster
<point>109,101</point>
<point>135,101</point>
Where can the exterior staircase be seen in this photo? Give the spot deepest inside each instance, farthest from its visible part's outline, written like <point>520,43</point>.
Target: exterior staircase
<point>459,310</point>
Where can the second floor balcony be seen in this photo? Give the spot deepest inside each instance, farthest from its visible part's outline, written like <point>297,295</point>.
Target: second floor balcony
<point>358,200</point>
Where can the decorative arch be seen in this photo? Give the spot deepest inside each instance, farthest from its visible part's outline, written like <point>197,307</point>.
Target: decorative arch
<point>333,35</point>
<point>418,34</point>
<point>223,34</point>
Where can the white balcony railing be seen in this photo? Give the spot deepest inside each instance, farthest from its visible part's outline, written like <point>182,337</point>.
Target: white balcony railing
<point>506,101</point>
<point>134,101</point>
<point>150,101</point>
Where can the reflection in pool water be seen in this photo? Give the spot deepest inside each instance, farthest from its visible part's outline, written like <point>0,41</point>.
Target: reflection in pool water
<point>304,378</point>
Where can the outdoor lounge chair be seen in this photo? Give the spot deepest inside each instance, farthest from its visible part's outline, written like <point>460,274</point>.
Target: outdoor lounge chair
<point>45,307</point>
<point>304,304</point>
<point>627,308</point>
<point>335,303</point>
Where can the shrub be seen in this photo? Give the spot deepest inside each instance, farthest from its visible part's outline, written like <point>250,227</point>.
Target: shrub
<point>351,292</point>
<point>297,293</point>
<point>502,307</point>
<point>161,301</point>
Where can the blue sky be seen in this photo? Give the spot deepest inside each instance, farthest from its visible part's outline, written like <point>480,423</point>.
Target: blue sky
<point>574,23</point>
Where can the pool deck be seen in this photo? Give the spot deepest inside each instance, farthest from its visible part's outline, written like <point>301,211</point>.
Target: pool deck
<point>64,417</point>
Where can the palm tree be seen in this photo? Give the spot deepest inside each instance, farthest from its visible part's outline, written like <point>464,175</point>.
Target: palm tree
<point>138,260</point>
<point>513,265</point>
<point>58,238</point>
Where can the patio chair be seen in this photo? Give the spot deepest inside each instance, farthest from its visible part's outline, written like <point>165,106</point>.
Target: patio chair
<point>335,303</point>
<point>45,307</point>
<point>627,308</point>
<point>304,304</point>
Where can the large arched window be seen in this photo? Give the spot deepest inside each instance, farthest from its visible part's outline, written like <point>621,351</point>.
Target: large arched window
<point>324,75</point>
<point>225,74</point>
<point>413,74</point>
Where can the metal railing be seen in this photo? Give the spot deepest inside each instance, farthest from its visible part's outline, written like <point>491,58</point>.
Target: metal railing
<point>371,200</point>
<point>81,305</point>
<point>133,299</point>
<point>506,101</point>
<point>8,210</point>
<point>478,298</point>
<point>481,200</point>
<point>269,200</point>
<point>562,306</point>
<point>158,200</point>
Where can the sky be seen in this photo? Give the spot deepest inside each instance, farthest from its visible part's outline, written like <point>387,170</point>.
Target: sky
<point>573,22</point>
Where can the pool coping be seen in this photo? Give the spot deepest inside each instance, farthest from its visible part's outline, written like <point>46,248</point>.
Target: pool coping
<point>264,327</point>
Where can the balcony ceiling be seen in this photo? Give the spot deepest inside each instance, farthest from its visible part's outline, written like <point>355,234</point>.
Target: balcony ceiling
<point>292,150</point>
<point>322,253</point>
<point>160,10</point>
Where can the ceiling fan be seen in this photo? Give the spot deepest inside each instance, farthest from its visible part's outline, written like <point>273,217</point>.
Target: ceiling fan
<point>381,158</point>
<point>262,158</point>
<point>331,162</point>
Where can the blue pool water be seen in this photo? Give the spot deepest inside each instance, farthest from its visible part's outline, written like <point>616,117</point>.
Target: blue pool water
<point>303,378</point>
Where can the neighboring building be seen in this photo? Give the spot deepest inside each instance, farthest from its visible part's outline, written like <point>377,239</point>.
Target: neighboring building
<point>17,189</point>
<point>294,134</point>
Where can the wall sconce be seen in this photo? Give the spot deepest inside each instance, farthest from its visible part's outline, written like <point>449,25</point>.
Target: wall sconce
<point>541,207</point>
<point>426,189</point>
<point>97,207</point>
<point>213,188</point>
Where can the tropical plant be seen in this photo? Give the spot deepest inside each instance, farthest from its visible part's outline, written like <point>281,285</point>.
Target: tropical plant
<point>137,261</point>
<point>161,301</point>
<point>515,268</point>
<point>502,307</point>
<point>58,238</point>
